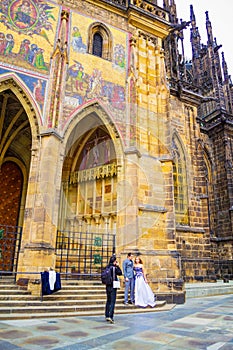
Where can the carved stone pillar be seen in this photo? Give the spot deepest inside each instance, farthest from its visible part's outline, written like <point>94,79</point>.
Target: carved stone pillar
<point>41,211</point>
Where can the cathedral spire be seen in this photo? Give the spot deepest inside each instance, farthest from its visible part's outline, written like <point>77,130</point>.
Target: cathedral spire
<point>195,40</point>
<point>195,37</point>
<point>228,85</point>
<point>209,29</point>
<point>214,64</point>
<point>170,6</point>
<point>192,16</point>
<point>225,68</point>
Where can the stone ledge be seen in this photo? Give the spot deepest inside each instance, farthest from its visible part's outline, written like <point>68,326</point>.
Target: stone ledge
<point>152,208</point>
<point>197,290</point>
<point>189,229</point>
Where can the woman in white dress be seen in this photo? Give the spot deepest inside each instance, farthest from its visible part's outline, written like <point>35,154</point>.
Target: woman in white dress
<point>143,293</point>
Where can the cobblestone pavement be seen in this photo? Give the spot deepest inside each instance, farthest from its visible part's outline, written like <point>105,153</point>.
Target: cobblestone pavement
<point>201,323</point>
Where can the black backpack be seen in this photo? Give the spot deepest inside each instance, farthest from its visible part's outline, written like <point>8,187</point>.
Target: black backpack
<point>106,275</point>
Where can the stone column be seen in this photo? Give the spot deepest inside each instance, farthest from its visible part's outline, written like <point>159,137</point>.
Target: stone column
<point>41,212</point>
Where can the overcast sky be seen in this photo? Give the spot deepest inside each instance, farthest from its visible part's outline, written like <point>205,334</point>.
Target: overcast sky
<point>221,17</point>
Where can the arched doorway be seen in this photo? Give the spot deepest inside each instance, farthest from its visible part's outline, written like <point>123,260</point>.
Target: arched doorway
<point>10,233</point>
<point>15,156</point>
<point>87,225</point>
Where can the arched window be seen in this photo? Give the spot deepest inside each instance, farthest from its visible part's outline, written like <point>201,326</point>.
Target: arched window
<point>97,46</point>
<point>207,171</point>
<point>100,41</point>
<point>180,183</point>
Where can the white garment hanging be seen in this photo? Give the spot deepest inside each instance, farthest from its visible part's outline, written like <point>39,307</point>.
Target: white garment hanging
<point>52,279</point>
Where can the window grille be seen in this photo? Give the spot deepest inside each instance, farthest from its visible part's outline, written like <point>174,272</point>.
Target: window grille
<point>97,45</point>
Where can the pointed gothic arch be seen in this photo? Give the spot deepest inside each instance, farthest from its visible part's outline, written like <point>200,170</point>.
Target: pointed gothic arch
<point>100,41</point>
<point>207,169</point>
<point>180,181</point>
<point>19,129</point>
<point>19,126</point>
<point>92,115</point>
<point>88,208</point>
<point>12,82</point>
<point>93,150</point>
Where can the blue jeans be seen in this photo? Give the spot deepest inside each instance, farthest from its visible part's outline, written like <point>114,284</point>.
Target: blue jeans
<point>111,300</point>
<point>129,285</point>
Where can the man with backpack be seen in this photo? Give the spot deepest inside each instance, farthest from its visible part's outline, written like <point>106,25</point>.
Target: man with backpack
<point>111,292</point>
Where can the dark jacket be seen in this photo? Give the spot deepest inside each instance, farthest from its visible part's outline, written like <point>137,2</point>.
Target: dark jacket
<point>118,272</point>
<point>45,283</point>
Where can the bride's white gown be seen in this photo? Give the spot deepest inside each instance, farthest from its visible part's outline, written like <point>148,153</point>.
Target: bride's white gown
<point>143,293</point>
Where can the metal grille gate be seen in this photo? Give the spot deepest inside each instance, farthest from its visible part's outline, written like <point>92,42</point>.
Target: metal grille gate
<point>83,254</point>
<point>10,240</point>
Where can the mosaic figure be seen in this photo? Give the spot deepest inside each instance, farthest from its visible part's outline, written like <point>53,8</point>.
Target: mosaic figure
<point>9,44</point>
<point>32,53</point>
<point>95,84</point>
<point>23,13</point>
<point>79,78</point>
<point>27,16</point>
<point>119,56</point>
<point>77,42</point>
<point>39,60</point>
<point>24,48</point>
<point>38,92</point>
<point>2,43</point>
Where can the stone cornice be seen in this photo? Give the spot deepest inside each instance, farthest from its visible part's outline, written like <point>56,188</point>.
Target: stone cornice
<point>148,21</point>
<point>39,246</point>
<point>190,229</point>
<point>133,150</point>
<point>152,208</point>
<point>51,132</point>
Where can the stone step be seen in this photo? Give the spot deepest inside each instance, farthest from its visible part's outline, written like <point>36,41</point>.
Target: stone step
<point>197,290</point>
<point>80,296</point>
<point>83,287</point>
<point>13,292</point>
<point>82,282</point>
<point>56,296</point>
<point>9,286</point>
<point>40,308</point>
<point>4,280</point>
<point>57,299</point>
<point>79,292</point>
<point>74,299</point>
<point>94,312</point>
<point>55,302</point>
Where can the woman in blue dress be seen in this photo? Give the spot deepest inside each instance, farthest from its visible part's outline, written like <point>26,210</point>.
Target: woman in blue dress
<point>143,293</point>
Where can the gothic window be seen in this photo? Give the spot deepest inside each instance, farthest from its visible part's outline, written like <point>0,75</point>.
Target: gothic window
<point>100,41</point>
<point>180,184</point>
<point>207,172</point>
<point>97,45</point>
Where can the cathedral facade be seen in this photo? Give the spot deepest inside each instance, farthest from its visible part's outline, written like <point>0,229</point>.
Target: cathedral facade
<point>112,141</point>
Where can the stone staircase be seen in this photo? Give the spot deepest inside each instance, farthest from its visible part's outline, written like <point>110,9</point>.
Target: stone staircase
<point>76,298</point>
<point>198,290</point>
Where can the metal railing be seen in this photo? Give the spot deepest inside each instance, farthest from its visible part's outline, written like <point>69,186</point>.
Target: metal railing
<point>10,241</point>
<point>83,254</point>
